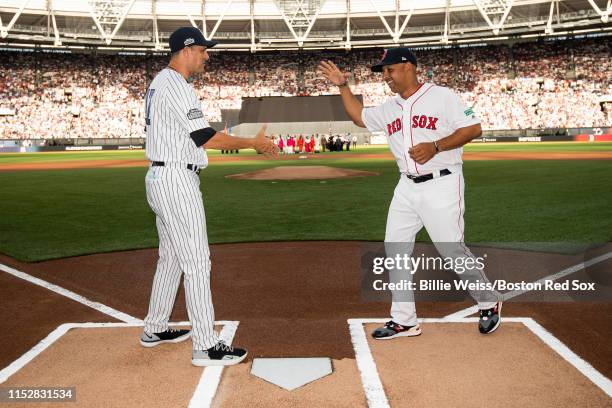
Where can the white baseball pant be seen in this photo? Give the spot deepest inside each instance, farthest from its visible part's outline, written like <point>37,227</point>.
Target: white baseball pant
<point>173,193</point>
<point>437,205</point>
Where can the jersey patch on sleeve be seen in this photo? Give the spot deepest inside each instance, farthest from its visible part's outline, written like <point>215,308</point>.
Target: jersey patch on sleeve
<point>469,112</point>
<point>194,114</point>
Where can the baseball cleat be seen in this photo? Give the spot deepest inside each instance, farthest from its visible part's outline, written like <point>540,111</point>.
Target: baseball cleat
<point>392,330</point>
<point>490,319</point>
<point>218,355</point>
<point>168,336</point>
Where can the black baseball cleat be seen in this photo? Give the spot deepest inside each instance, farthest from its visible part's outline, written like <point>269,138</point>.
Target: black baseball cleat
<point>218,355</point>
<point>392,330</point>
<point>168,336</point>
<point>490,319</point>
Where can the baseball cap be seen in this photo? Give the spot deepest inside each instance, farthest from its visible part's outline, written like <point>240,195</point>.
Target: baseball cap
<point>394,56</point>
<point>187,36</point>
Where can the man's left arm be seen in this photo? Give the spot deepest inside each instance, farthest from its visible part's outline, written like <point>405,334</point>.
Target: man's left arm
<point>423,152</point>
<point>462,119</point>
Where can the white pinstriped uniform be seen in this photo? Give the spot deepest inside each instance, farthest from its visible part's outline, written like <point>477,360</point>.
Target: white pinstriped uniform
<point>431,113</point>
<point>173,111</point>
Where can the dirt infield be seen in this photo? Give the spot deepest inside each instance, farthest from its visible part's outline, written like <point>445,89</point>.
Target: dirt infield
<point>101,368</point>
<point>293,299</point>
<point>309,306</point>
<point>90,164</point>
<point>517,367</point>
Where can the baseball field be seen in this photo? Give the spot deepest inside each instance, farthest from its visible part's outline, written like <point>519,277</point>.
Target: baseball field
<point>78,244</point>
<point>54,211</point>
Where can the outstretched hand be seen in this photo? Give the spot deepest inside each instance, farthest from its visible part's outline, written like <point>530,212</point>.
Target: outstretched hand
<point>263,144</point>
<point>331,72</point>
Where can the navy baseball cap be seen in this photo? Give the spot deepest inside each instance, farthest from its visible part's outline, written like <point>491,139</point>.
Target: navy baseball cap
<point>187,36</point>
<point>394,56</point>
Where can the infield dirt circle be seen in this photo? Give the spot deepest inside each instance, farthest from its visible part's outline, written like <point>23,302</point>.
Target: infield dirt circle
<point>301,173</point>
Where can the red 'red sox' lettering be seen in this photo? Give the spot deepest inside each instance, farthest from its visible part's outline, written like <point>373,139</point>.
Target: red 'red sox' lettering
<point>394,126</point>
<point>427,122</point>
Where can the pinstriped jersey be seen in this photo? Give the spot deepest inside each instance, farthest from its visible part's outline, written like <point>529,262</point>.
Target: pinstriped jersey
<point>431,113</point>
<point>172,112</point>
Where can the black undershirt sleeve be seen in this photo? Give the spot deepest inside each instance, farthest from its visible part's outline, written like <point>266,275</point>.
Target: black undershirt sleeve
<point>201,136</point>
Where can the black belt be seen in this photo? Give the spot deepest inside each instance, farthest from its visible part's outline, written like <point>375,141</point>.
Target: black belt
<point>192,167</point>
<point>427,177</point>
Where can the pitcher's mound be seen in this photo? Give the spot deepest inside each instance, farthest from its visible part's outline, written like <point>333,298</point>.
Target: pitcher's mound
<point>301,173</point>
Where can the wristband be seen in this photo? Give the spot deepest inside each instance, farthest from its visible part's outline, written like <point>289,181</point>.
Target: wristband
<point>436,146</point>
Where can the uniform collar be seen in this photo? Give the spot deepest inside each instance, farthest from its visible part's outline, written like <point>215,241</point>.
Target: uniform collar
<point>420,89</point>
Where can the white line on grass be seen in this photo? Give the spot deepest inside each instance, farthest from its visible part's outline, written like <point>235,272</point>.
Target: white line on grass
<point>71,295</point>
<point>211,377</point>
<point>375,393</point>
<point>514,293</point>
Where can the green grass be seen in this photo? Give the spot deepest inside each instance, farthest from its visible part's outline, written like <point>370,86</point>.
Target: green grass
<point>14,158</point>
<point>48,157</point>
<point>57,213</point>
<point>552,147</point>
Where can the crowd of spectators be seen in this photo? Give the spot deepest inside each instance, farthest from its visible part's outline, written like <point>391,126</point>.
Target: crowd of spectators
<point>529,85</point>
<point>310,144</point>
<point>55,95</point>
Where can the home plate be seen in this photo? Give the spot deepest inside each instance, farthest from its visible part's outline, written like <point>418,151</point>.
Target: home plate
<point>291,373</point>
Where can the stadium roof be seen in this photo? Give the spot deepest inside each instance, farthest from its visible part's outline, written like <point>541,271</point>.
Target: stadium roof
<point>260,25</point>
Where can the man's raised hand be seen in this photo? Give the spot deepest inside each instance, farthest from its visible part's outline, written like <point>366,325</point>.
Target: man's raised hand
<point>331,72</point>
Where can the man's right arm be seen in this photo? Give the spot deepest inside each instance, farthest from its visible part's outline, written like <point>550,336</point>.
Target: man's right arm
<point>261,144</point>
<point>352,105</point>
<point>188,112</point>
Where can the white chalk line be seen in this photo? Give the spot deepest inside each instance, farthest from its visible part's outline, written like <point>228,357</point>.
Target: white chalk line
<point>33,352</point>
<point>514,293</point>
<point>207,386</point>
<point>71,295</point>
<point>581,365</point>
<point>52,337</point>
<point>374,390</point>
<point>211,377</point>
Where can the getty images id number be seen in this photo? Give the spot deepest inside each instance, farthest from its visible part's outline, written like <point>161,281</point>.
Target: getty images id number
<point>37,394</point>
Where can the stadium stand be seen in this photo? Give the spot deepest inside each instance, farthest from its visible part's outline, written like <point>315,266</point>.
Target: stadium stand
<point>547,84</point>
